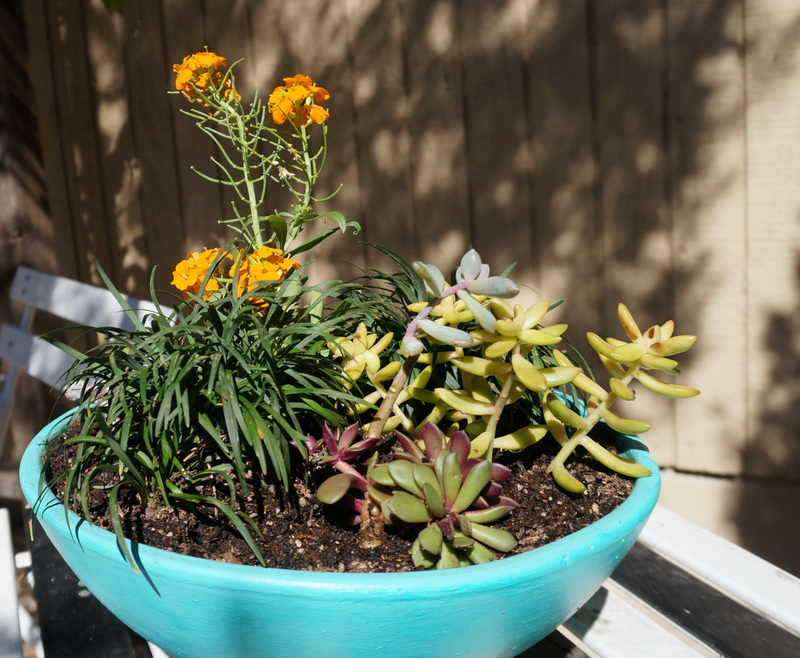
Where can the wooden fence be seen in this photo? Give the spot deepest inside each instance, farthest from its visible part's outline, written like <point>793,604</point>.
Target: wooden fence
<point>643,151</point>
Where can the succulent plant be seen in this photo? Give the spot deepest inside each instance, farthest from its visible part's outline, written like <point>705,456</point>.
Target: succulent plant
<point>447,497</point>
<point>337,448</point>
<point>453,496</point>
<point>489,375</point>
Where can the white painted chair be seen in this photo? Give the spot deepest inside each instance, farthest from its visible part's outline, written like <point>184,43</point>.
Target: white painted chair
<point>75,302</point>
<point>682,591</point>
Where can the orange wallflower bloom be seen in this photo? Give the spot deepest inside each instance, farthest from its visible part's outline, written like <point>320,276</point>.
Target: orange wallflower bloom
<point>297,100</point>
<point>209,60</point>
<point>318,114</point>
<point>189,274</point>
<point>299,79</point>
<point>264,264</point>
<point>201,72</point>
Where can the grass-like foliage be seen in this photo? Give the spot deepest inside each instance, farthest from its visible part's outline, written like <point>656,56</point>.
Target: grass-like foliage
<point>221,390</point>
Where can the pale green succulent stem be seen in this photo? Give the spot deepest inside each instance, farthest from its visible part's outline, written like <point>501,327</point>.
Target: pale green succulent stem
<point>411,330</point>
<point>499,405</point>
<point>398,383</point>
<point>580,435</point>
<point>402,376</point>
<point>378,386</point>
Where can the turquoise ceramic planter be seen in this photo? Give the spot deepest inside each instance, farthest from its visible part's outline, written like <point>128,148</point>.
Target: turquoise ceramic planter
<point>199,608</point>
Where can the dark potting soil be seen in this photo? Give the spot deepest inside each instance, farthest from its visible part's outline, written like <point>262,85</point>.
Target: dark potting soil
<point>298,533</point>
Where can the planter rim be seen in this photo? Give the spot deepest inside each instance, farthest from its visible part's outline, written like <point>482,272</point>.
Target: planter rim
<point>572,548</point>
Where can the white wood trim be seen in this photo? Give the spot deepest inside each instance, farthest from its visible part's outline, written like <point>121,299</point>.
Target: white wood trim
<point>739,573</point>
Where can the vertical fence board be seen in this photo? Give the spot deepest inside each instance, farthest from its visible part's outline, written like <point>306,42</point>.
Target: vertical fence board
<point>76,133</point>
<point>119,178</point>
<point>150,75</point>
<point>773,259</point>
<point>200,201</point>
<point>564,222</point>
<point>381,134</point>
<point>226,28</point>
<point>630,68</point>
<point>438,182</point>
<point>707,150</point>
<point>273,59</point>
<point>45,92</point>
<point>313,39</point>
<point>321,49</point>
<point>498,148</point>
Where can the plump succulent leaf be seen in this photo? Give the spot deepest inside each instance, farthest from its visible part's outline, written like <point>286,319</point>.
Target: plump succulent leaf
<point>424,475</point>
<point>478,477</point>
<point>431,539</point>
<point>488,515</point>
<point>496,286</point>
<point>500,540</point>
<point>459,445</point>
<point>483,316</point>
<point>470,266</point>
<point>566,480</point>
<point>335,487</point>
<point>402,473</point>
<point>434,500</point>
<point>446,334</point>
<point>449,557</point>
<point>615,462</point>
<point>421,557</point>
<point>479,554</point>
<point>406,507</point>
<point>450,478</point>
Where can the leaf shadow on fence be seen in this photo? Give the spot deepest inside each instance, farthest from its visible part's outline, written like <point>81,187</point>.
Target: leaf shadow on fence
<point>766,504</point>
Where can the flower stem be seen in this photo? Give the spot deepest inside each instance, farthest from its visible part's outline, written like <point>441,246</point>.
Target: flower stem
<point>252,199</point>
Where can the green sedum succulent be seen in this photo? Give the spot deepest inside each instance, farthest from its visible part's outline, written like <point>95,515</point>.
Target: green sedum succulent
<point>488,375</point>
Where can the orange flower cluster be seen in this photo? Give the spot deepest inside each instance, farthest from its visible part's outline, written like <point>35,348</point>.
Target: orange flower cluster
<point>200,72</point>
<point>189,274</point>
<point>264,264</point>
<point>297,101</point>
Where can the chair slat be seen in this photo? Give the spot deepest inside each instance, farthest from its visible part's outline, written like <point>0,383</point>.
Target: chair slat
<point>34,355</point>
<point>762,585</point>
<point>77,302</point>
<point>611,624</point>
